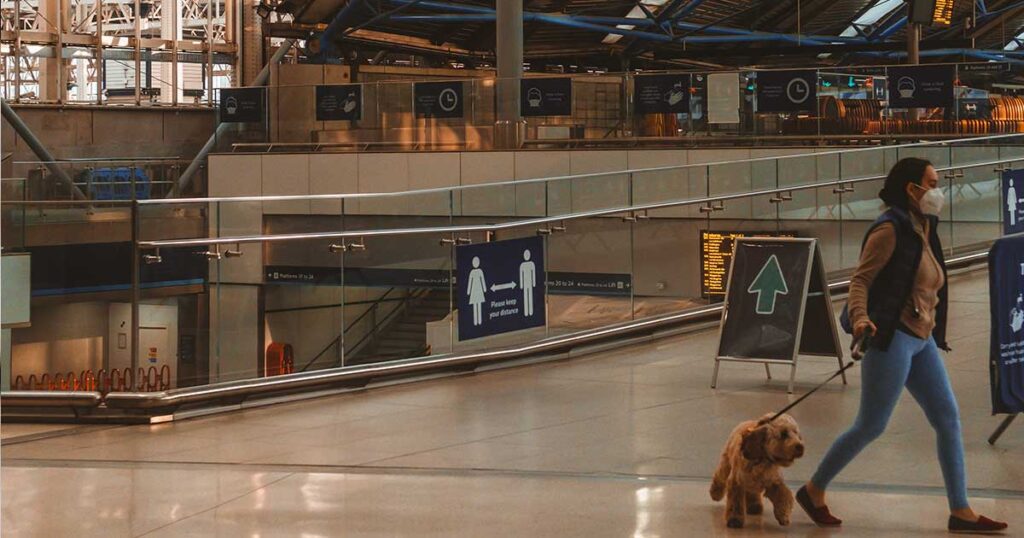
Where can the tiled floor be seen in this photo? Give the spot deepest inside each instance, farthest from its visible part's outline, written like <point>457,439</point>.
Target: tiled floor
<point>615,444</point>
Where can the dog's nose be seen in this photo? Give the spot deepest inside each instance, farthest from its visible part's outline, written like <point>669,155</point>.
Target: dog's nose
<point>799,450</point>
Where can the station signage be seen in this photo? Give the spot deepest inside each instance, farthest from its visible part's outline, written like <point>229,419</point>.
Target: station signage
<point>777,305</point>
<point>343,102</point>
<point>920,86</point>
<point>1006,295</point>
<point>438,99</point>
<point>662,94</point>
<point>1013,202</point>
<point>930,12</point>
<point>787,91</point>
<point>545,96</point>
<point>716,254</point>
<point>500,287</point>
<point>723,98</point>
<point>987,67</point>
<point>242,105</point>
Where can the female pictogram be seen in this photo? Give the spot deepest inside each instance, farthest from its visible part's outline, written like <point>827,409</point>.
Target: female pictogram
<point>476,290</point>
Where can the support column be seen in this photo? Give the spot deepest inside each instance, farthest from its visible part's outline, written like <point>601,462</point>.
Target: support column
<point>250,50</point>
<point>170,70</point>
<point>913,43</point>
<point>913,57</point>
<point>53,73</point>
<point>509,53</point>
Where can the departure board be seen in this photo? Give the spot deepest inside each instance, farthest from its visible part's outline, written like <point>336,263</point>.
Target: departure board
<point>930,12</point>
<point>942,15</point>
<point>716,253</point>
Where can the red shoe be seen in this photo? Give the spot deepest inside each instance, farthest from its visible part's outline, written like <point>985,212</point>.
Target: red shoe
<point>819,514</point>
<point>984,525</point>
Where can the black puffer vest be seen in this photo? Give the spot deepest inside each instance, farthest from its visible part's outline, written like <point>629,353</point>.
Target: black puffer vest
<point>892,287</point>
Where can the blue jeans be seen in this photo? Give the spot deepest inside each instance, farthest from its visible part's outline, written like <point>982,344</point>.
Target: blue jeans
<point>914,363</point>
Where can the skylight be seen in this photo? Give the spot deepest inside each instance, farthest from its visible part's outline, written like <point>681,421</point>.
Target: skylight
<point>636,13</point>
<point>1015,43</point>
<point>872,16</point>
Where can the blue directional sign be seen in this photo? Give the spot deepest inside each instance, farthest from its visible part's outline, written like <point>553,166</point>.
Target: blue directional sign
<point>500,287</point>
<point>1006,294</point>
<point>1013,202</point>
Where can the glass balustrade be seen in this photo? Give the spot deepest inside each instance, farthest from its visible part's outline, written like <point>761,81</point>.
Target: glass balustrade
<point>230,288</point>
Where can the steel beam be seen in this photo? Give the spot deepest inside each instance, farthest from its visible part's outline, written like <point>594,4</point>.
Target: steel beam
<point>261,79</point>
<point>37,147</point>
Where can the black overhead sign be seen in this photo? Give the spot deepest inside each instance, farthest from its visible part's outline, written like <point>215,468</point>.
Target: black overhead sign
<point>545,96</point>
<point>438,99</point>
<point>659,94</point>
<point>340,102</point>
<point>987,67</point>
<point>787,91</point>
<point>242,105</point>
<point>916,86</point>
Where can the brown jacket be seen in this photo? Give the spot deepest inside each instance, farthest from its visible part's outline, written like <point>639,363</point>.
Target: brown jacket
<point>918,315</point>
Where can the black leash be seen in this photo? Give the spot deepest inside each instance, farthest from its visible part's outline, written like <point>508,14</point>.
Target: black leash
<point>856,352</point>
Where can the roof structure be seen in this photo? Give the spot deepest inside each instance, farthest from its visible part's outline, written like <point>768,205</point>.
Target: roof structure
<point>626,34</point>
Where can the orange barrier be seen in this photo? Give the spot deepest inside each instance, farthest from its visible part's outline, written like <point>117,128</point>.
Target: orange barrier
<point>165,379</point>
<point>280,359</point>
<point>117,380</point>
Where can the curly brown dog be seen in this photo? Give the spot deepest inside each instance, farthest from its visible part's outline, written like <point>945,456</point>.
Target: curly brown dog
<point>750,468</point>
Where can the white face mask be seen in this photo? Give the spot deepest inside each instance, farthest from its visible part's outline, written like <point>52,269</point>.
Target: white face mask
<point>932,201</point>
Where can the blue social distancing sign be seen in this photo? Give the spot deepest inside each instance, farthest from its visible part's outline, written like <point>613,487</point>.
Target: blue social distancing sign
<point>1006,294</point>
<point>1013,202</point>
<point>500,287</point>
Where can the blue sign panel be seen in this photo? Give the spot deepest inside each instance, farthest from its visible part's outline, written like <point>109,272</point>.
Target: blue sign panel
<point>1006,295</point>
<point>787,91</point>
<point>339,102</point>
<point>500,286</point>
<point>242,105</point>
<point>921,86</point>
<point>1013,202</point>
<point>545,96</point>
<point>437,99</point>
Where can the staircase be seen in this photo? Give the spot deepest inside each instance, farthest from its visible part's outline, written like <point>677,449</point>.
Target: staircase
<point>404,334</point>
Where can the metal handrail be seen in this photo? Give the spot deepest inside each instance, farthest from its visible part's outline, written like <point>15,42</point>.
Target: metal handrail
<point>534,221</point>
<point>235,390</point>
<point>521,182</point>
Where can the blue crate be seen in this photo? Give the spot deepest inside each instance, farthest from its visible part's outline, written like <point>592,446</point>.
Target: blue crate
<point>116,183</point>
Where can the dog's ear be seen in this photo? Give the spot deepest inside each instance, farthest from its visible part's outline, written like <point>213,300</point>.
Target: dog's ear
<point>753,445</point>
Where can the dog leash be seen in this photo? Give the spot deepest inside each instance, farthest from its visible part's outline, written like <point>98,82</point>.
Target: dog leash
<point>857,352</point>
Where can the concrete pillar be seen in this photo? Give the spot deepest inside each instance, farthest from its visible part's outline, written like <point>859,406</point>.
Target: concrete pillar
<point>250,51</point>
<point>509,53</point>
<point>914,43</point>
<point>914,57</point>
<point>170,71</point>
<point>53,75</point>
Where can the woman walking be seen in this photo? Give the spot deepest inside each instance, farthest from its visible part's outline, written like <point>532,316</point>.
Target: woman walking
<point>898,297</point>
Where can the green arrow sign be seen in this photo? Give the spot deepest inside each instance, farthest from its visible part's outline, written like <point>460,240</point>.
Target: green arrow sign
<point>767,285</point>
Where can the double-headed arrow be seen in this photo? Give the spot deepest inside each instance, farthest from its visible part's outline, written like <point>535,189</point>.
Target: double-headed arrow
<point>499,287</point>
<point>767,285</point>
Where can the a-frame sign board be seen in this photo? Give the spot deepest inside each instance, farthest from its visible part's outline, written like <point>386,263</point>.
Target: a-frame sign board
<point>777,306</point>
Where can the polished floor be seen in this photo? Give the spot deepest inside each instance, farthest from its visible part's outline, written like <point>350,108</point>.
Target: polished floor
<point>620,443</point>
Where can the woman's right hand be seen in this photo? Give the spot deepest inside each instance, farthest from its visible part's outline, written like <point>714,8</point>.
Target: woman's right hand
<point>863,327</point>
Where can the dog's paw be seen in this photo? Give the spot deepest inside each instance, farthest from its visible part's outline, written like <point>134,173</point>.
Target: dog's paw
<point>717,492</point>
<point>783,520</point>
<point>755,509</point>
<point>734,523</point>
